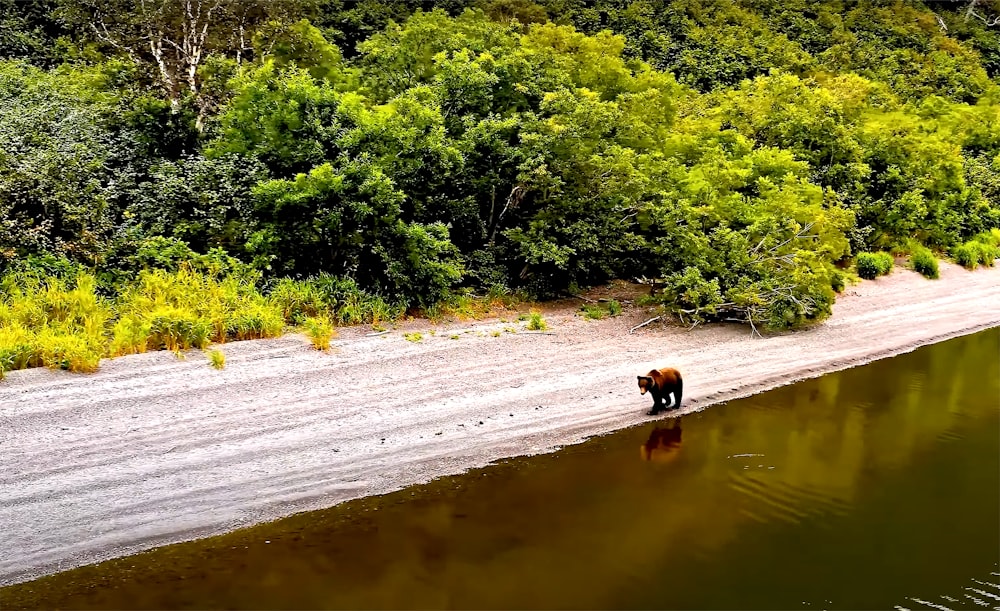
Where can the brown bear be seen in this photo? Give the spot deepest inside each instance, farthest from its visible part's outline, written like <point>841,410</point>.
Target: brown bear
<point>660,383</point>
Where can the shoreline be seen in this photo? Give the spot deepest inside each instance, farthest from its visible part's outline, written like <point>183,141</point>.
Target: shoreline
<point>153,450</point>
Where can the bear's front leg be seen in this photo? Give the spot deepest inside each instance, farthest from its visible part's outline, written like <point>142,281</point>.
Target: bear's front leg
<point>657,404</point>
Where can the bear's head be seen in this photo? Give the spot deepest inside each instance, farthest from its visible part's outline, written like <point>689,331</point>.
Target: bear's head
<point>645,383</point>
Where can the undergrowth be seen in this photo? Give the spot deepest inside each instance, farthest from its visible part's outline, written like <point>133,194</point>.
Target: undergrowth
<point>924,261</point>
<point>983,249</point>
<point>319,330</point>
<point>873,264</point>
<point>536,322</point>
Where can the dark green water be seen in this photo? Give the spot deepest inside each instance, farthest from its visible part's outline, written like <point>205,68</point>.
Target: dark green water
<point>873,488</point>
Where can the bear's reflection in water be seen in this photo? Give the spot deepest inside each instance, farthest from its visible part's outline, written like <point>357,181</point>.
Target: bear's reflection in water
<point>664,443</point>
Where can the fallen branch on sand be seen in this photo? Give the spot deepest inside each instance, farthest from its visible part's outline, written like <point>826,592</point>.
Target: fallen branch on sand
<point>651,320</point>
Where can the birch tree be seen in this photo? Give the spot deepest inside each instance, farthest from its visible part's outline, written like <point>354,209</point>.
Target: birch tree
<point>175,36</point>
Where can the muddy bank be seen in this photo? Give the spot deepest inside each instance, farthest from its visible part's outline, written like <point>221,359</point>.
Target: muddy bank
<point>152,450</point>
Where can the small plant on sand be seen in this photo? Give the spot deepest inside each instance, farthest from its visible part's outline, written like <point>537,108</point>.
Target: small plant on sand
<point>614,308</point>
<point>510,330</point>
<point>216,359</point>
<point>413,337</point>
<point>495,333</point>
<point>454,336</point>
<point>593,312</point>
<point>320,331</point>
<point>536,322</point>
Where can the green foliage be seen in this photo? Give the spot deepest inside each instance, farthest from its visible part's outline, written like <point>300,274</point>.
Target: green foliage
<point>982,249</point>
<point>53,322</point>
<point>300,44</point>
<point>413,337</point>
<point>205,203</point>
<point>924,261</point>
<point>593,311</point>
<point>739,152</point>
<point>873,264</point>
<point>216,359</point>
<point>536,322</point>
<point>348,218</point>
<point>596,311</point>
<point>58,163</point>
<point>186,309</point>
<point>320,331</point>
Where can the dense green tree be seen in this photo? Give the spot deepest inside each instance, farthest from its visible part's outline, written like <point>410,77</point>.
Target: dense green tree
<point>344,219</point>
<point>30,31</point>
<point>62,166</point>
<point>739,151</point>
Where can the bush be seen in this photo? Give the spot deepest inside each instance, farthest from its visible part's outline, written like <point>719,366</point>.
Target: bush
<point>987,245</point>
<point>298,300</point>
<point>838,281</point>
<point>614,308</point>
<point>873,264</point>
<point>924,262</point>
<point>216,359</point>
<point>593,312</point>
<point>320,331</point>
<point>967,255</point>
<point>982,249</point>
<point>536,322</point>
<point>130,335</point>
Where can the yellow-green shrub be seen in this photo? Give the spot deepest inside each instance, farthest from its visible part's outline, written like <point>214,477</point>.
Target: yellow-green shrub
<point>130,335</point>
<point>64,351</point>
<point>320,331</point>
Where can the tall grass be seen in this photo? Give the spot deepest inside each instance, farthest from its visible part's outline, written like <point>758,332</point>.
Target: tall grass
<point>186,309</point>
<point>320,331</point>
<point>63,322</point>
<point>52,322</point>
<point>536,322</point>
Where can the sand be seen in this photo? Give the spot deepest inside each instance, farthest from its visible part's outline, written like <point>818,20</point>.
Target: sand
<point>153,450</point>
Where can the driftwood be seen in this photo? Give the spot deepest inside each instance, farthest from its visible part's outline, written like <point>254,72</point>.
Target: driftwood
<point>651,320</point>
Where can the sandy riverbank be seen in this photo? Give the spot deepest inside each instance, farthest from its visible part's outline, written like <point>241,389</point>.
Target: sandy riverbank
<point>153,450</point>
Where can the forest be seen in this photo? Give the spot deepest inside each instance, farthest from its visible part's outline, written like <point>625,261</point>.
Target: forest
<point>175,173</point>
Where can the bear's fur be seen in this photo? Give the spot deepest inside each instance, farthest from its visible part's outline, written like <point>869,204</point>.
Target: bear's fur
<point>660,383</point>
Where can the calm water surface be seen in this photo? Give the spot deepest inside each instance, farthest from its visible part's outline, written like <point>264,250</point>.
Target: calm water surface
<point>873,488</point>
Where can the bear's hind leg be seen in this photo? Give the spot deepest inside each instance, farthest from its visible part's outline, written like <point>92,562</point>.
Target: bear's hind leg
<point>678,392</point>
